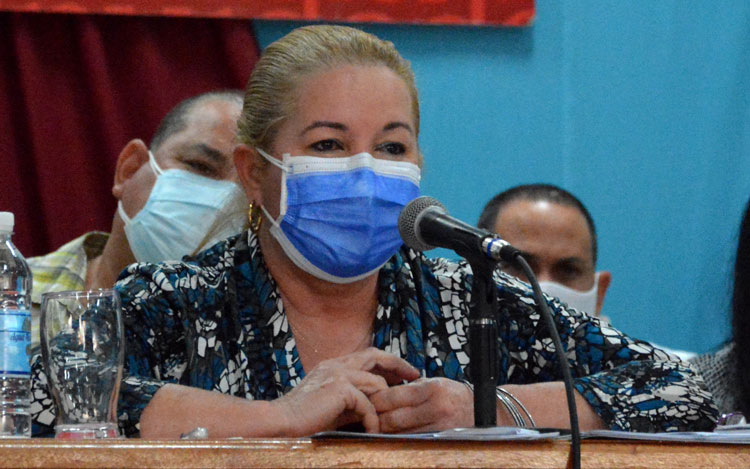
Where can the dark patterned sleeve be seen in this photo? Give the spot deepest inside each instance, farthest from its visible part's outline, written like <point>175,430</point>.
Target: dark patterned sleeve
<point>43,412</point>
<point>630,384</point>
<point>154,348</point>
<point>154,337</point>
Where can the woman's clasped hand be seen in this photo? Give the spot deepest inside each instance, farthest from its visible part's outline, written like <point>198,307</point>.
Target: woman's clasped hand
<point>339,392</point>
<point>379,390</point>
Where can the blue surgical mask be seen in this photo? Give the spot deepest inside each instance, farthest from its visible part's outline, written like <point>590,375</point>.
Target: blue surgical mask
<point>338,217</point>
<point>179,213</point>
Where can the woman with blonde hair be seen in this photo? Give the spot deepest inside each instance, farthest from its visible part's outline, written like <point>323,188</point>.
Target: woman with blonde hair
<point>319,317</point>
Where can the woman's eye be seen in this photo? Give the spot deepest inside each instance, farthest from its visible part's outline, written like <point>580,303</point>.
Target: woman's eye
<point>326,145</point>
<point>393,148</point>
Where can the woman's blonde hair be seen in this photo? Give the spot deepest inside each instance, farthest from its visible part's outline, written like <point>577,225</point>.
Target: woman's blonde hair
<point>271,91</point>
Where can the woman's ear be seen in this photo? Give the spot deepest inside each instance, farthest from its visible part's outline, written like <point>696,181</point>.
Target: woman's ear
<point>250,166</point>
<point>132,157</point>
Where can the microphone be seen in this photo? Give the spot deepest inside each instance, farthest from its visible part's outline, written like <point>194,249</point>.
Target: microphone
<point>424,224</point>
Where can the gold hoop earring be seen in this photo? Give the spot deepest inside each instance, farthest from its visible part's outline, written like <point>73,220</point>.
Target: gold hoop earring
<point>254,216</point>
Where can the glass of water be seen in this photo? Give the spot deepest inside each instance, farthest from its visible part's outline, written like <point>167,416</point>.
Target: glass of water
<point>82,349</point>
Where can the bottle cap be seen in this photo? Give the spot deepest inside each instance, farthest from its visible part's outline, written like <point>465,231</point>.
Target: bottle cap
<point>7,220</point>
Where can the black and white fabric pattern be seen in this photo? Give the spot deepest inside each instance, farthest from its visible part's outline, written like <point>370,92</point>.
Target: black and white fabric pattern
<point>218,322</point>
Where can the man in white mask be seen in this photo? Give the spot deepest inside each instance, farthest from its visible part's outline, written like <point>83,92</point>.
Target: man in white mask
<point>174,199</point>
<point>556,235</point>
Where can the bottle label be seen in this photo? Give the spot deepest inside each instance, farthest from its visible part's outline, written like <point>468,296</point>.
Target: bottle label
<point>15,340</point>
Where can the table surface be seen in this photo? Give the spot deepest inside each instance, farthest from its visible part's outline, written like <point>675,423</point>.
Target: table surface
<point>304,452</point>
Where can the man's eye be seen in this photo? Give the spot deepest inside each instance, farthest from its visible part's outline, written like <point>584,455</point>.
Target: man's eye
<point>569,274</point>
<point>510,269</point>
<point>201,168</point>
<point>326,145</point>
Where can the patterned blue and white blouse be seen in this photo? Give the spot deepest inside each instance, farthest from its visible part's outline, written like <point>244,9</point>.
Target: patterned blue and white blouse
<point>217,322</point>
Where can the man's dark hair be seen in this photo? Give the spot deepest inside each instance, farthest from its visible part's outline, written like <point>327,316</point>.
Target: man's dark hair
<point>535,193</point>
<point>740,355</point>
<point>176,120</point>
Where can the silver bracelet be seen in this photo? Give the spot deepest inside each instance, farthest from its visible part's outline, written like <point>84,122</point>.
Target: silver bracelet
<point>530,419</point>
<point>507,403</point>
<point>511,408</point>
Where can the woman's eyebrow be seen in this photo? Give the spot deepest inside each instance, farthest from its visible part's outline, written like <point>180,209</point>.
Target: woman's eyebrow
<point>329,124</point>
<point>397,124</point>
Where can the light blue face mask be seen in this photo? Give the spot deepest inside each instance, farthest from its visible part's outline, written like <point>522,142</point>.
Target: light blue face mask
<point>179,213</point>
<point>338,217</point>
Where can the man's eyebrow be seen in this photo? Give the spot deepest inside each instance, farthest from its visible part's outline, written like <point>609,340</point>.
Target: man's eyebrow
<point>328,124</point>
<point>396,125</point>
<point>208,151</point>
<point>576,261</point>
<point>527,255</point>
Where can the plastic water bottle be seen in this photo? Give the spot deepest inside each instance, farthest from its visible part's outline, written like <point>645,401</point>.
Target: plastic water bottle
<point>15,336</point>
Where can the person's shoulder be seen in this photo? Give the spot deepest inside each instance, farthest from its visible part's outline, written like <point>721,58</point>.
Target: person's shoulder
<point>718,372</point>
<point>444,270</point>
<point>219,255</point>
<point>65,268</point>
<point>713,360</point>
<point>206,267</point>
<point>458,272</point>
<point>74,247</point>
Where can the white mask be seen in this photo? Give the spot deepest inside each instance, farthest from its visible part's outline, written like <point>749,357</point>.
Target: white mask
<point>580,300</point>
<point>179,213</point>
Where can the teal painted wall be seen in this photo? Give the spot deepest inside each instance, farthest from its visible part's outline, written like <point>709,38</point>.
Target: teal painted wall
<point>640,108</point>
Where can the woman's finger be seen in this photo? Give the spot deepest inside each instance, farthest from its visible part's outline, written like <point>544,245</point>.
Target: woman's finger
<point>405,407</point>
<point>407,419</point>
<point>430,404</point>
<point>359,404</point>
<point>405,395</point>
<point>367,382</point>
<point>394,369</point>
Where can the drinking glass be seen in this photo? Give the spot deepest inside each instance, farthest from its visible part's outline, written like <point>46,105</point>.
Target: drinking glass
<point>82,349</point>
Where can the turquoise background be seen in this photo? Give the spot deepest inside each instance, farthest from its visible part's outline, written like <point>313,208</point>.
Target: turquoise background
<point>640,108</point>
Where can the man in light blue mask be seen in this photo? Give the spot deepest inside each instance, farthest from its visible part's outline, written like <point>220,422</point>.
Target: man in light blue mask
<point>174,199</point>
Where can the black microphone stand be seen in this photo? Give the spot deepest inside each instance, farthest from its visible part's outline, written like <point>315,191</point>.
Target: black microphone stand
<point>483,348</point>
<point>425,224</point>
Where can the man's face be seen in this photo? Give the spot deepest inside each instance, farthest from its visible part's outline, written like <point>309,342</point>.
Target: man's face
<point>553,238</point>
<point>204,147</point>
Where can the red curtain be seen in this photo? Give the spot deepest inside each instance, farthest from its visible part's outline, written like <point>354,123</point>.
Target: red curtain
<point>74,89</point>
<point>475,12</point>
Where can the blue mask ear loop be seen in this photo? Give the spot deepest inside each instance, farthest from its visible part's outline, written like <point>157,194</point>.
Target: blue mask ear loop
<point>284,170</point>
<point>272,160</point>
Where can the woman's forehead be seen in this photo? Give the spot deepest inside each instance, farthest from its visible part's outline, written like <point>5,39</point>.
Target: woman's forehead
<point>353,93</point>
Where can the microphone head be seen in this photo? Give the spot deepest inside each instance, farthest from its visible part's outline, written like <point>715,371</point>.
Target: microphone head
<point>408,221</point>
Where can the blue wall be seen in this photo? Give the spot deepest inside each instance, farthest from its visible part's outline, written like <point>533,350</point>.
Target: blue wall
<point>640,108</point>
